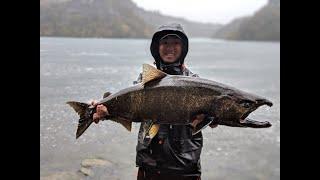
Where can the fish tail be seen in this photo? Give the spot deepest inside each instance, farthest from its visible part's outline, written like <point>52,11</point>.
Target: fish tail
<point>85,113</point>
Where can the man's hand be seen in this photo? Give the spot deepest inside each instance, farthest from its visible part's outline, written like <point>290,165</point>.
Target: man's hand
<point>101,111</point>
<point>199,118</point>
<point>213,125</point>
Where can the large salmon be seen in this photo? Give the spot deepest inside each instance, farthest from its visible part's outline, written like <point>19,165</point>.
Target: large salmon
<point>174,99</point>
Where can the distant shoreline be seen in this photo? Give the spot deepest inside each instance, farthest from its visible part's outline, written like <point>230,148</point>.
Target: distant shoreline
<point>190,38</point>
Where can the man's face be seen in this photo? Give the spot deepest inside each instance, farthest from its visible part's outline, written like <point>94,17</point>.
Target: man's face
<point>170,49</point>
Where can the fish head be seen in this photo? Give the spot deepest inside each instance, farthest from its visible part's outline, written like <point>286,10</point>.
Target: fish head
<point>233,108</point>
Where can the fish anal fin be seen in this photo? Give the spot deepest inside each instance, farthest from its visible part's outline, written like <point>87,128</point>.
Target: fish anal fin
<point>150,73</point>
<point>124,122</point>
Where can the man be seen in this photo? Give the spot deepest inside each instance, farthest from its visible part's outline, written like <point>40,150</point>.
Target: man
<point>167,151</point>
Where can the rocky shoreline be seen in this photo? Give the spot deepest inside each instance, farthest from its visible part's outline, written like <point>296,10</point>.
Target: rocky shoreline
<point>89,167</point>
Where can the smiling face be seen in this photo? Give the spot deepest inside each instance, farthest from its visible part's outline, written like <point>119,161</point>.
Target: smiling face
<point>170,48</point>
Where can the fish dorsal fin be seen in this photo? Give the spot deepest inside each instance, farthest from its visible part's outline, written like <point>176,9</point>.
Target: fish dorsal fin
<point>106,94</point>
<point>150,73</point>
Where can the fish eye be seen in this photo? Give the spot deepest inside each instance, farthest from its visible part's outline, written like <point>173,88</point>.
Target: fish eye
<point>246,104</point>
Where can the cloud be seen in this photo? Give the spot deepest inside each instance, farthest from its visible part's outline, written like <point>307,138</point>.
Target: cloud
<point>216,11</point>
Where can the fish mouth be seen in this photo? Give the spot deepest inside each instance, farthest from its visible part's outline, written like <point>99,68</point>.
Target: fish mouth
<point>248,122</point>
<point>261,102</point>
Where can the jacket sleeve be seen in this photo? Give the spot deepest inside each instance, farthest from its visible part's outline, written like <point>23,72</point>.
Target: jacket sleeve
<point>187,72</point>
<point>194,75</point>
<point>139,79</point>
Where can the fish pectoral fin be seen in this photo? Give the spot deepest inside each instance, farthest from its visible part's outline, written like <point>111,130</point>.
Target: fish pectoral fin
<point>124,122</point>
<point>106,94</point>
<point>150,73</point>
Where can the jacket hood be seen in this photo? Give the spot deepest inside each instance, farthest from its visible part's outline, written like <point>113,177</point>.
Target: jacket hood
<point>163,30</point>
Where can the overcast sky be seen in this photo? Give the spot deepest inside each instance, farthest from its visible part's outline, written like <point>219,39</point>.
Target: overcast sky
<point>215,11</point>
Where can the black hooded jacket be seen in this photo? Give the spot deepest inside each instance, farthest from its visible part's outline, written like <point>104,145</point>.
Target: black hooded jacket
<point>174,150</point>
